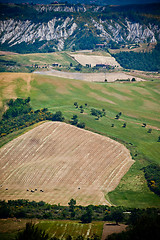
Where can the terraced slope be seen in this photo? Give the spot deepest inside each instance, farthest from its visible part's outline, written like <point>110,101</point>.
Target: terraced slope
<point>61,162</point>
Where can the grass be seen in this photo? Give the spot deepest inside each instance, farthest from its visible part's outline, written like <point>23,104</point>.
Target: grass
<point>60,229</point>
<point>23,60</point>
<point>138,102</point>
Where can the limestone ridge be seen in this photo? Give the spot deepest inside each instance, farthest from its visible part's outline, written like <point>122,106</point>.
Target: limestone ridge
<point>62,32</point>
<point>15,32</point>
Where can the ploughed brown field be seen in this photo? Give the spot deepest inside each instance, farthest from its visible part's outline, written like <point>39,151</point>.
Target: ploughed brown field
<point>55,162</point>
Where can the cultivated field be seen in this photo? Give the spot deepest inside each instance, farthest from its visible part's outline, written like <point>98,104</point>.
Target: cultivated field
<point>62,162</point>
<point>84,59</point>
<point>60,229</point>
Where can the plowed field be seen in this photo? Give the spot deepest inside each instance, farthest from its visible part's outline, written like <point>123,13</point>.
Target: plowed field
<point>61,162</point>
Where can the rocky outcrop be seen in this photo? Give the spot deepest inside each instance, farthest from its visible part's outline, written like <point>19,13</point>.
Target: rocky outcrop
<point>16,32</point>
<point>127,31</point>
<point>63,31</point>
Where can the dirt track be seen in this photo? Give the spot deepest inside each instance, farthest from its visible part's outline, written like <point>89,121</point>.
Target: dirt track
<point>90,77</point>
<point>64,162</point>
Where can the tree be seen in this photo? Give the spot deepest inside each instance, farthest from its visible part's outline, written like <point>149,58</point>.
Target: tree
<point>124,125</point>
<point>117,215</point>
<point>58,117</point>
<point>81,125</point>
<point>31,232</point>
<point>158,139</point>
<point>87,217</point>
<point>117,116</point>
<point>72,204</point>
<point>74,120</point>
<point>149,130</point>
<point>76,104</point>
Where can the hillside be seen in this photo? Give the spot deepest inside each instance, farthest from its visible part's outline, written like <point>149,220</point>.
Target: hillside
<point>138,103</point>
<point>62,162</point>
<point>48,28</point>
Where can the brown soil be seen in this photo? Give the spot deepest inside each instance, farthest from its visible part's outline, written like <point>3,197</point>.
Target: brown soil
<point>110,228</point>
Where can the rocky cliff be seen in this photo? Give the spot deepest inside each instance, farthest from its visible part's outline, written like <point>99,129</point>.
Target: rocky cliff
<point>73,31</point>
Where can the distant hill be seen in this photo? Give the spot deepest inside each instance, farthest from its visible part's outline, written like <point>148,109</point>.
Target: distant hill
<point>28,28</point>
<point>102,2</point>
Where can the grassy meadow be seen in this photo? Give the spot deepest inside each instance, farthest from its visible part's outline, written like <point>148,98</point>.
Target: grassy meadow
<point>21,62</point>
<point>139,103</point>
<point>60,229</point>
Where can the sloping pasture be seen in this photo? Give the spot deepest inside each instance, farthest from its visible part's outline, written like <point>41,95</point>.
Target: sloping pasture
<point>139,103</point>
<point>62,162</point>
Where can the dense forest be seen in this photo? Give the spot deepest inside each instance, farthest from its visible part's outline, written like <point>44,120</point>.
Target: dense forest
<point>144,61</point>
<point>20,115</point>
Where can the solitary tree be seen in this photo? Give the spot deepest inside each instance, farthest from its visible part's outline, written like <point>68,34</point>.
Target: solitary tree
<point>76,104</point>
<point>149,130</point>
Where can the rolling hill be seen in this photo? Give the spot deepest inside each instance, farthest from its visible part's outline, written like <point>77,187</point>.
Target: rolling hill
<point>62,162</point>
<point>138,102</point>
<point>28,28</point>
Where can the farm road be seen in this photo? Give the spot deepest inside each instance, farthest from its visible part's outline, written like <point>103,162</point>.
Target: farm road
<point>90,77</point>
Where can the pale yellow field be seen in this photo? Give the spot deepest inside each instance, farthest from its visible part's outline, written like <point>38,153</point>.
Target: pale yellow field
<point>65,162</point>
<point>90,77</point>
<point>84,59</point>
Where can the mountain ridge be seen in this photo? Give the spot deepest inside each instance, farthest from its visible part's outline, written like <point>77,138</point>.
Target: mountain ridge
<point>46,28</point>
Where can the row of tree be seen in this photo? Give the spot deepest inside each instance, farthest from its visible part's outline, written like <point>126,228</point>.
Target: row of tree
<point>142,222</point>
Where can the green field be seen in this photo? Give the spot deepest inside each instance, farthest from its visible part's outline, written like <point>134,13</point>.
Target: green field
<point>20,62</point>
<point>60,229</point>
<point>138,102</point>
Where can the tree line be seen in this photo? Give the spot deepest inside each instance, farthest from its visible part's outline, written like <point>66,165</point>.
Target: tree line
<point>141,222</point>
<point>20,115</point>
<point>144,61</point>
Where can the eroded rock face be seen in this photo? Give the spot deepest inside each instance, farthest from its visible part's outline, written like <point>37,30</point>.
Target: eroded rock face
<point>128,32</point>
<point>16,32</point>
<point>64,30</point>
